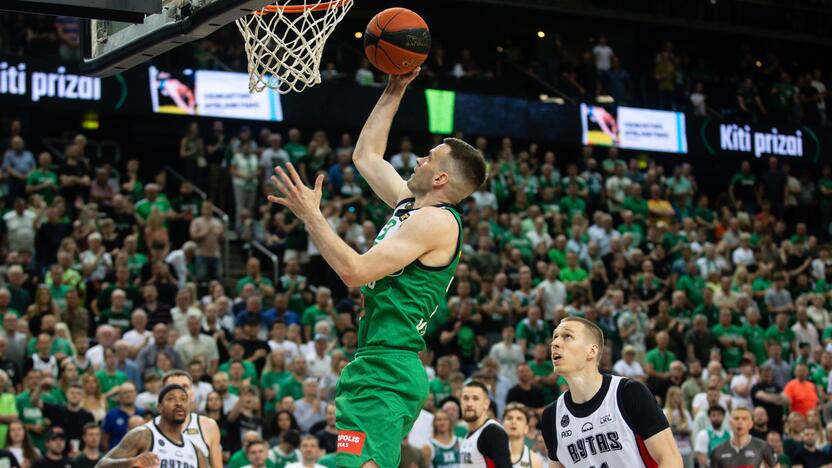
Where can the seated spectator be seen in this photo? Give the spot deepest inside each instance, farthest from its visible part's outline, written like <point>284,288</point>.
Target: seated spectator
<point>55,450</point>
<point>310,453</point>
<point>116,421</point>
<point>709,438</point>
<point>91,452</point>
<point>627,366</point>
<point>526,391</point>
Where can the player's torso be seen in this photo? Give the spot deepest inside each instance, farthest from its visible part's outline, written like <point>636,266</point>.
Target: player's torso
<point>445,456</point>
<point>170,453</point>
<point>750,455</point>
<point>602,439</point>
<point>524,460</point>
<point>469,453</point>
<point>193,432</point>
<point>398,307</point>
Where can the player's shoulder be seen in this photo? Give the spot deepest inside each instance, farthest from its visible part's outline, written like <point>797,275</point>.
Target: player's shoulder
<point>433,219</point>
<point>206,422</point>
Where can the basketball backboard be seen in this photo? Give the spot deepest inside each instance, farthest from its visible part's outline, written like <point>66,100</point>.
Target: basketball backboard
<point>110,47</point>
<point>132,11</point>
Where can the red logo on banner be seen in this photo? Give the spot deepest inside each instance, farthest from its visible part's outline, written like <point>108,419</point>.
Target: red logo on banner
<point>351,442</point>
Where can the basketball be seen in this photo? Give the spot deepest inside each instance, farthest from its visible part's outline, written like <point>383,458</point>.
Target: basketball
<point>396,41</point>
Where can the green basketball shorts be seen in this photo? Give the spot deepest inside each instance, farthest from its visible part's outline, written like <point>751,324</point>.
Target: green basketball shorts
<point>377,399</point>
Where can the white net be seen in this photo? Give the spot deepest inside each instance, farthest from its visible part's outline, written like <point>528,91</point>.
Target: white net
<point>284,42</point>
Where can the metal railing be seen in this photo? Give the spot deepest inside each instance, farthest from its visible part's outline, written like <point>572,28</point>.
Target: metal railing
<point>269,254</point>
<point>226,260</point>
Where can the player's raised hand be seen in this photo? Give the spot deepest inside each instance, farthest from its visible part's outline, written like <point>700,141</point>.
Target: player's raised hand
<point>145,460</point>
<point>400,82</point>
<point>299,198</point>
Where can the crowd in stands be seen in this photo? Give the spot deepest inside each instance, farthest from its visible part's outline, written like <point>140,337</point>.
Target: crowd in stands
<point>112,278</point>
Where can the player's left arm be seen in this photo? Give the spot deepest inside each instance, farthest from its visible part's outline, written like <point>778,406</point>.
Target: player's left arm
<point>648,422</point>
<point>212,437</point>
<point>425,230</point>
<point>662,448</point>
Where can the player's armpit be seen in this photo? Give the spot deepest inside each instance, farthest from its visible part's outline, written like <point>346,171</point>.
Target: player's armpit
<point>382,178</point>
<point>662,448</point>
<point>426,229</point>
<point>134,443</point>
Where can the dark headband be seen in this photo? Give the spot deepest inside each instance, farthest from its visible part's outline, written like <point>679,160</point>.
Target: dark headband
<point>169,388</point>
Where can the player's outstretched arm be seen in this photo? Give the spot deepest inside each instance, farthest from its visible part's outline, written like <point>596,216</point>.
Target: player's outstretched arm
<point>663,449</point>
<point>131,452</point>
<point>426,230</point>
<point>369,150</point>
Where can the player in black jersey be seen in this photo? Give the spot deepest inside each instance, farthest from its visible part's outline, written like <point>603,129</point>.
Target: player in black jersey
<point>486,444</point>
<point>602,421</point>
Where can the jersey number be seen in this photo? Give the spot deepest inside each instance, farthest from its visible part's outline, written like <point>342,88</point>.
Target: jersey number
<point>603,465</point>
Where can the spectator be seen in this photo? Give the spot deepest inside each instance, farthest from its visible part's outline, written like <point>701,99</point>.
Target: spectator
<point>809,454</point>
<point>18,162</point>
<point>802,394</point>
<point>711,437</point>
<point>55,450</point>
<point>749,103</point>
<point>91,453</point>
<point>115,424</point>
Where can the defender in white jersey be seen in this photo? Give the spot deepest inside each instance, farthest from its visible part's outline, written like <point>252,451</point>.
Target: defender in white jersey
<point>516,422</point>
<point>486,445</point>
<point>602,421</point>
<point>201,430</point>
<point>158,444</point>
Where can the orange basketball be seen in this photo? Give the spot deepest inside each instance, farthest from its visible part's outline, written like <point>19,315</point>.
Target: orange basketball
<point>396,41</point>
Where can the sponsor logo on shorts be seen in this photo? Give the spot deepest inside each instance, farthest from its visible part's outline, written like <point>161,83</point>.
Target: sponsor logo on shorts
<point>351,442</point>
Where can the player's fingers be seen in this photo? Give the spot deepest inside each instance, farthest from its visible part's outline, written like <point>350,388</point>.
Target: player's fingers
<point>286,180</point>
<point>279,185</point>
<point>319,183</point>
<point>278,200</point>
<point>294,174</point>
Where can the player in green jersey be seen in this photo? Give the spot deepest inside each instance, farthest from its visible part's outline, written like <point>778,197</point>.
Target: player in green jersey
<point>403,277</point>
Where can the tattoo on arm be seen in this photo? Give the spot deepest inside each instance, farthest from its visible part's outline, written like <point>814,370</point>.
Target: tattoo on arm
<point>134,443</point>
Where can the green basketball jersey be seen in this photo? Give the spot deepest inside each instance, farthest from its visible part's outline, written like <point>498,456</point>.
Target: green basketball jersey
<point>445,456</point>
<point>398,307</point>
<point>281,459</point>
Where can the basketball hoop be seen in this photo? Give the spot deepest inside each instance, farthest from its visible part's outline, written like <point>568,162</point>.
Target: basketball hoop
<point>284,42</point>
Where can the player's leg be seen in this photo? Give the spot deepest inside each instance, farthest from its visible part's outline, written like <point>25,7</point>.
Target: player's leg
<point>370,464</point>
<point>378,398</point>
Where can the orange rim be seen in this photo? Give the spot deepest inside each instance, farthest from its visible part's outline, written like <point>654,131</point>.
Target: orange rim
<point>301,8</point>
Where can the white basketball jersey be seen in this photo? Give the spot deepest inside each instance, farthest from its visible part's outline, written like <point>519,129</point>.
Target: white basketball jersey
<point>171,454</point>
<point>525,460</point>
<point>603,439</point>
<point>470,454</point>
<point>193,432</point>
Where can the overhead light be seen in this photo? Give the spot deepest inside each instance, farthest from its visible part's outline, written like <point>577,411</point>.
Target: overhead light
<point>758,63</point>
<point>500,49</point>
<point>541,34</point>
<point>605,99</point>
<point>358,35</point>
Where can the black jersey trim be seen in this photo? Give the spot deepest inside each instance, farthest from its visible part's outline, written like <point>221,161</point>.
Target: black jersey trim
<point>152,439</point>
<point>182,445</point>
<point>458,218</point>
<point>201,432</point>
<point>584,410</point>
